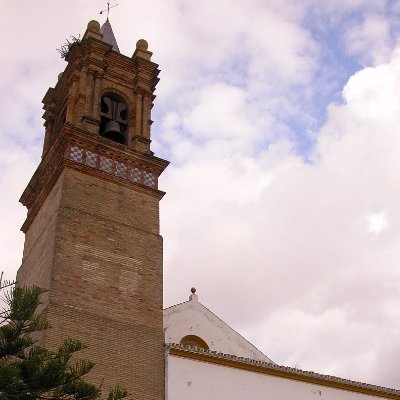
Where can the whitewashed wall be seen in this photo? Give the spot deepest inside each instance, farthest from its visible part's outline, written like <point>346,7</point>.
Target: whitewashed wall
<point>195,380</point>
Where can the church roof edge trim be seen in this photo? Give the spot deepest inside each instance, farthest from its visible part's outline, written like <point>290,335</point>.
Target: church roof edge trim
<point>252,365</point>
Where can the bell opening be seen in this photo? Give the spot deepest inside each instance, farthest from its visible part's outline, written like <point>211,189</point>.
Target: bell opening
<point>113,118</point>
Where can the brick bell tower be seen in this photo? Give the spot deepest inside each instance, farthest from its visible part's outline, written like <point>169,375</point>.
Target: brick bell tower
<point>92,229</point>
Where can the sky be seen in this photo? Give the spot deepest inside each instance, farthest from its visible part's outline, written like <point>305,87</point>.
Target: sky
<point>280,119</point>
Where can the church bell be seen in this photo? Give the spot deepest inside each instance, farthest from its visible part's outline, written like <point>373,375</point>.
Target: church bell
<point>112,131</point>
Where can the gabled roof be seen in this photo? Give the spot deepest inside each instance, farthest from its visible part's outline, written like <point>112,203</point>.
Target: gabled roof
<point>108,35</point>
<point>192,318</point>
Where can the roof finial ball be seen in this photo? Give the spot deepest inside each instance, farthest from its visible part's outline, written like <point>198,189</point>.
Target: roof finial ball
<point>193,296</point>
<point>93,25</point>
<point>93,30</point>
<point>142,51</point>
<point>142,44</point>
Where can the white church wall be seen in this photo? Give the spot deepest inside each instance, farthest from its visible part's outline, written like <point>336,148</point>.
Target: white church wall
<point>192,318</point>
<point>198,380</point>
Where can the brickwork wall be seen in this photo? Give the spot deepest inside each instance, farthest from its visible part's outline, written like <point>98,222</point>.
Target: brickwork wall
<point>39,244</point>
<point>106,278</point>
<point>110,201</point>
<point>39,228</point>
<point>127,354</point>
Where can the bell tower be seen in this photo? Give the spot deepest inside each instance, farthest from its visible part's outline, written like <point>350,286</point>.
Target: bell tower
<point>92,229</point>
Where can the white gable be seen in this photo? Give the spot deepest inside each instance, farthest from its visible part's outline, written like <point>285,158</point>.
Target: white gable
<point>192,318</point>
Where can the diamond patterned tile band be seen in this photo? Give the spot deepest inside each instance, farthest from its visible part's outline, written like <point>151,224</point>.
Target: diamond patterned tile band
<point>136,174</point>
<point>149,179</point>
<point>76,154</point>
<point>122,169</point>
<point>91,159</point>
<point>106,164</point>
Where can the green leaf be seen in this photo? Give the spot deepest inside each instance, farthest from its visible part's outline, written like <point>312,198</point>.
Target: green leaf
<point>117,393</point>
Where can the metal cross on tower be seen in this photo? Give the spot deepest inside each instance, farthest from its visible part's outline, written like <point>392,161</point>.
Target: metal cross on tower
<point>108,8</point>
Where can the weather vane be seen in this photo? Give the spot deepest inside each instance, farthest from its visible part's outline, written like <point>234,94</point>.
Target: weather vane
<point>108,8</point>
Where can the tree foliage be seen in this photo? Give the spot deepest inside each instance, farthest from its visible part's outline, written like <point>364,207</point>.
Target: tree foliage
<point>29,371</point>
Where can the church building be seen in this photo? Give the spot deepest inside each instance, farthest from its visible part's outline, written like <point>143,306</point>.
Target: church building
<point>92,239</point>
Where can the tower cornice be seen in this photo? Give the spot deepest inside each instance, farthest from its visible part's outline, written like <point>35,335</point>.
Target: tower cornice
<point>93,155</point>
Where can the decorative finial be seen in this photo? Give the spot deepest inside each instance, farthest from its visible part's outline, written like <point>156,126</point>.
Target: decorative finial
<point>193,296</point>
<point>142,44</point>
<point>93,25</point>
<point>108,8</point>
<point>93,30</point>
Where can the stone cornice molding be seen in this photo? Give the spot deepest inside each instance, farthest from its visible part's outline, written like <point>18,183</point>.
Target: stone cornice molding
<point>91,154</point>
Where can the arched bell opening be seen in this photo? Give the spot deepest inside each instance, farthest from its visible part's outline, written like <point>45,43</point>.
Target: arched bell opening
<point>194,341</point>
<point>113,118</point>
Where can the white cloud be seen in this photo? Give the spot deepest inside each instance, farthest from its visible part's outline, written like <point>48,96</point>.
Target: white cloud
<point>376,222</point>
<point>299,243</point>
